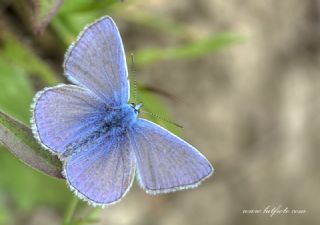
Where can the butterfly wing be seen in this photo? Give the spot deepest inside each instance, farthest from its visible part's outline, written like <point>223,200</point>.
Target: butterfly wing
<point>166,163</point>
<point>104,172</point>
<point>65,114</point>
<point>97,61</point>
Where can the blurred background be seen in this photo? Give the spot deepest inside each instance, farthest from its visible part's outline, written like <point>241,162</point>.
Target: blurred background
<point>242,77</point>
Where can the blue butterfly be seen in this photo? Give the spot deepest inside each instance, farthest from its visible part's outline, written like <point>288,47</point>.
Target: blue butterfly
<point>99,136</point>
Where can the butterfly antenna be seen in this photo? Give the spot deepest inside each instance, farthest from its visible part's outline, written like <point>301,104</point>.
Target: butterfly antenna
<point>160,118</point>
<point>136,98</point>
<point>133,72</point>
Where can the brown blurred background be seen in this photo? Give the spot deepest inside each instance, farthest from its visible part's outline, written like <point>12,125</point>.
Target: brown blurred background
<point>251,108</point>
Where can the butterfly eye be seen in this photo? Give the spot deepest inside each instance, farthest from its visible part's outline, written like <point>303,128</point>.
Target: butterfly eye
<point>136,107</point>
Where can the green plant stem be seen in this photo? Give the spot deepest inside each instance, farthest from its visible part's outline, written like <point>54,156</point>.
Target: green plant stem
<point>68,216</point>
<point>89,218</point>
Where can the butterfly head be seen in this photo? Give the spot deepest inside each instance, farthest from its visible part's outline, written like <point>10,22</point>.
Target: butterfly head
<point>136,107</point>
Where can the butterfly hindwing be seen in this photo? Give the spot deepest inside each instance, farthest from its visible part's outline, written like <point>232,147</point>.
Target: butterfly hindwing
<point>102,174</point>
<point>166,163</point>
<point>97,61</point>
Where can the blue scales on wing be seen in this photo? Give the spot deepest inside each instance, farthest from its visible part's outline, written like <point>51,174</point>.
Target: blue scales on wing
<point>165,162</point>
<point>97,61</point>
<point>85,124</point>
<point>98,135</point>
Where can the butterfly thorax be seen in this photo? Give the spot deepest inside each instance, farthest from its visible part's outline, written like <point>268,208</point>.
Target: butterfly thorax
<point>121,118</point>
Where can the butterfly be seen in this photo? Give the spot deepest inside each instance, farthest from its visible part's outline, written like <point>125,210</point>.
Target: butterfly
<point>99,136</point>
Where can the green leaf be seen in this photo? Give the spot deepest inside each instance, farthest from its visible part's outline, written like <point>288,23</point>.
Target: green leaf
<point>16,54</point>
<point>5,217</point>
<point>19,140</point>
<point>75,15</point>
<point>192,50</point>
<point>152,104</point>
<point>83,6</point>
<point>150,21</point>
<point>16,96</point>
<point>15,99</point>
<point>26,188</point>
<point>43,11</point>
<point>23,186</point>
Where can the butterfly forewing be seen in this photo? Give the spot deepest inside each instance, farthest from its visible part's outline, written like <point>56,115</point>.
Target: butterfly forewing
<point>97,61</point>
<point>65,114</point>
